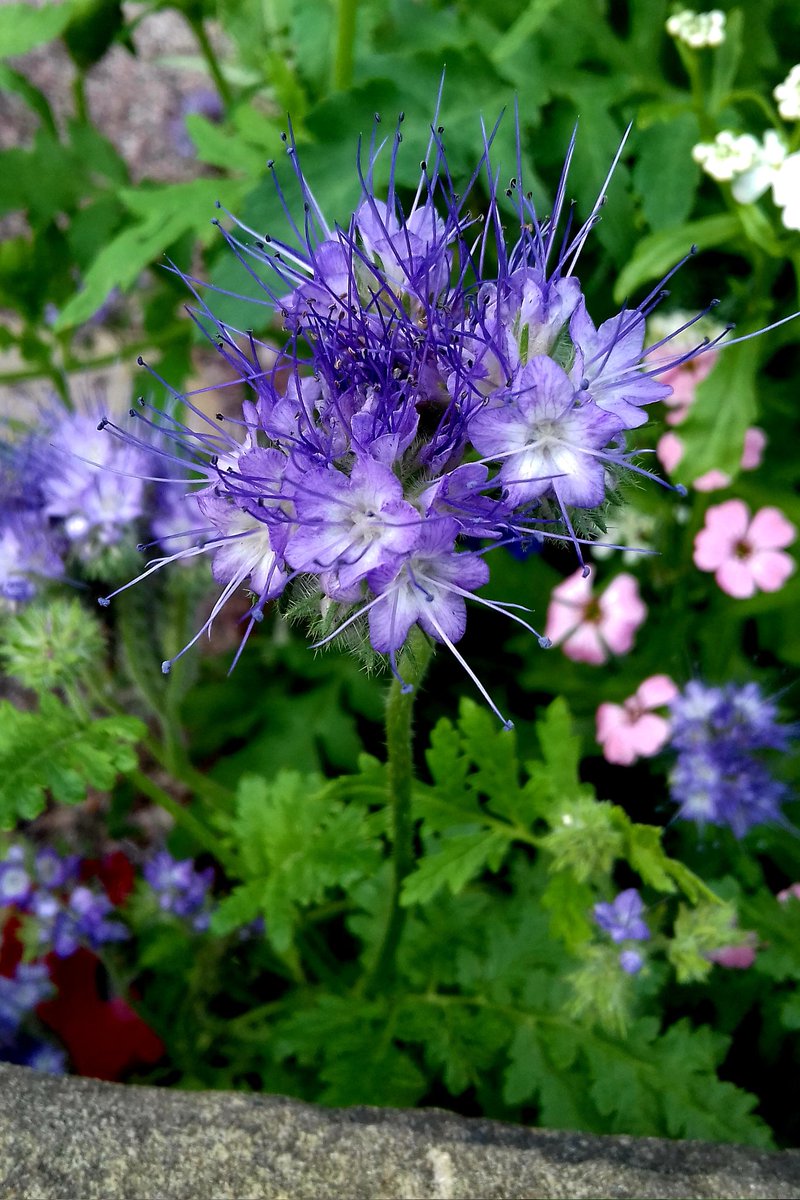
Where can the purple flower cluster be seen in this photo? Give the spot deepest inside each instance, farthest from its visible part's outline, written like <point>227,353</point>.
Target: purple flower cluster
<point>66,914</point>
<point>180,888</point>
<point>69,495</point>
<point>622,920</point>
<point>719,777</point>
<point>440,393</point>
<point>19,995</point>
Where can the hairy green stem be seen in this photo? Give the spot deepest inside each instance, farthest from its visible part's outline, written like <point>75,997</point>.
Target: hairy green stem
<point>345,37</point>
<point>400,763</point>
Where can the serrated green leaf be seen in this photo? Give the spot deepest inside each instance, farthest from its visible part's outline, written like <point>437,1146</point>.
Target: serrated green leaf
<point>242,906</point>
<point>561,749</point>
<point>165,215</point>
<point>645,854</point>
<point>295,842</point>
<point>220,148</point>
<point>58,752</point>
<point>458,860</point>
<point>656,254</point>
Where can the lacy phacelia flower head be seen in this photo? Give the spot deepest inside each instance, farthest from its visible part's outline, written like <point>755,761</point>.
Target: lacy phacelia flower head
<point>746,554</point>
<point>719,777</point>
<point>590,629</point>
<point>697,30</point>
<point>423,410</point>
<point>633,729</point>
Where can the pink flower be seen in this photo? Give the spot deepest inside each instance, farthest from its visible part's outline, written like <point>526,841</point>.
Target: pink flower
<point>590,629</point>
<point>745,555</point>
<point>631,730</point>
<point>789,893</point>
<point>737,957</point>
<point>670,449</point>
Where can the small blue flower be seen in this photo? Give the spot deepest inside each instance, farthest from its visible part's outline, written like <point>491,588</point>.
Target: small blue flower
<point>19,996</point>
<point>180,888</point>
<point>15,882</point>
<point>622,918</point>
<point>631,961</point>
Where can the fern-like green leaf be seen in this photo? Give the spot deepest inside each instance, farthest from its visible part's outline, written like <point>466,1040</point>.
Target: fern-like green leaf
<point>60,752</point>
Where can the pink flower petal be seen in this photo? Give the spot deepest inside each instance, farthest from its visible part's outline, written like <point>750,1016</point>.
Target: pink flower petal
<point>755,442</point>
<point>655,691</point>
<point>669,450</point>
<point>584,645</point>
<point>619,748</point>
<point>770,569</point>
<point>737,957</point>
<point>730,518</point>
<point>789,893</point>
<point>735,576</point>
<point>610,718</point>
<point>712,481</point>
<point>650,734</point>
<point>770,530</point>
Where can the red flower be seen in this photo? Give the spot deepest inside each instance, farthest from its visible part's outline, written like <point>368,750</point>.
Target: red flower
<point>104,1038</point>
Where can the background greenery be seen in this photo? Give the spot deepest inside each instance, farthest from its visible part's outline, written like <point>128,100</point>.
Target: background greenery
<point>500,997</point>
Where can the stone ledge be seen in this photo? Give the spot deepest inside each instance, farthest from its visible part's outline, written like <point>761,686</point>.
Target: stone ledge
<point>67,1138</point>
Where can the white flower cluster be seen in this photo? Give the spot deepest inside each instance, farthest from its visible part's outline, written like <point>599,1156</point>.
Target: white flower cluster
<point>751,167</point>
<point>697,30</point>
<point>788,95</point>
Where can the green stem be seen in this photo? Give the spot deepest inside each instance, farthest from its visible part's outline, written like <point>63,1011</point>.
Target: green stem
<point>207,50</point>
<point>202,835</point>
<point>345,37</point>
<point>79,96</point>
<point>400,763</point>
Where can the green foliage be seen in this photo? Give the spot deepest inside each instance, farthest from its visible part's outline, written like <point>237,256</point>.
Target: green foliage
<point>295,843</point>
<point>58,751</point>
<point>504,989</point>
<point>23,27</point>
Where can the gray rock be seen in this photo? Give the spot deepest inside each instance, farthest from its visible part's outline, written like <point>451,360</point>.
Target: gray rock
<point>64,1138</point>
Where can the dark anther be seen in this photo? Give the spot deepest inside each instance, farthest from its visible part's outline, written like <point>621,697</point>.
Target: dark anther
<point>423,166</point>
<point>132,412</point>
<point>220,417</point>
<point>401,117</point>
<point>140,361</point>
<point>102,423</point>
<point>140,401</point>
<point>693,249</point>
<point>378,118</point>
<point>283,137</point>
<point>270,163</point>
<point>440,129</point>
